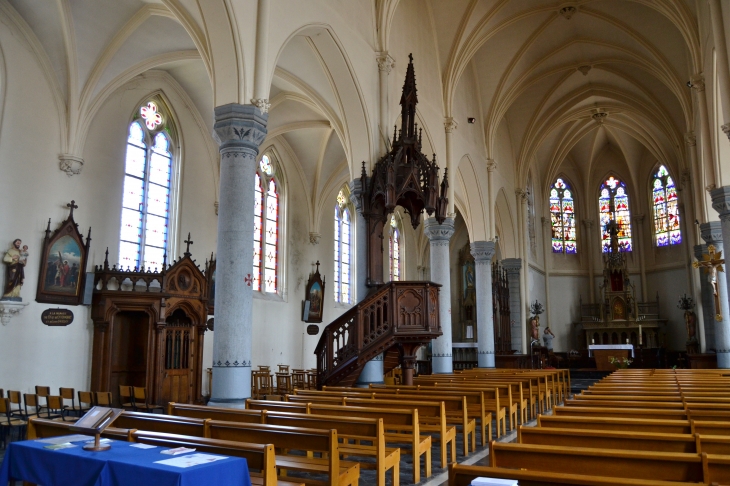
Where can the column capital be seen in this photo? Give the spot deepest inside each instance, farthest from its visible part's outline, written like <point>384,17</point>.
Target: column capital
<point>438,234</point>
<point>356,193</point>
<point>690,139</point>
<point>385,62</point>
<point>483,251</point>
<point>262,104</point>
<point>711,233</point>
<point>491,165</point>
<point>639,218</point>
<point>512,265</point>
<point>450,124</point>
<point>239,128</point>
<point>588,223</point>
<point>70,164</point>
<point>721,202</point>
<point>697,82</point>
<point>726,129</point>
<point>522,194</point>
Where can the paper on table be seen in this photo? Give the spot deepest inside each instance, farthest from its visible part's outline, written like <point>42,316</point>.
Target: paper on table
<point>143,446</point>
<point>65,438</point>
<point>55,447</point>
<point>191,460</point>
<point>493,482</point>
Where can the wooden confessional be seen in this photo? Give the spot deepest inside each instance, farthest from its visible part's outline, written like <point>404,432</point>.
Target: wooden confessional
<point>148,330</point>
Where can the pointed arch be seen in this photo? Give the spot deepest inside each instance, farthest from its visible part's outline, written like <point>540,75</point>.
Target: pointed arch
<point>613,205</point>
<point>665,207</point>
<point>561,201</point>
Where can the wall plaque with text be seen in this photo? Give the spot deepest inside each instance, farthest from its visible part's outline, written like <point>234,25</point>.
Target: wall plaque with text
<point>57,317</point>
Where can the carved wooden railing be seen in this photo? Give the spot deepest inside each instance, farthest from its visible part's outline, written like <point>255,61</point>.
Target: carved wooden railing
<point>398,314</point>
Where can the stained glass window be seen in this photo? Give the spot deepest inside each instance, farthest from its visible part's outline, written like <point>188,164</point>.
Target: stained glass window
<point>394,251</point>
<point>666,210</point>
<point>342,254</point>
<point>562,218</point>
<point>266,229</point>
<point>613,203</point>
<point>146,195</point>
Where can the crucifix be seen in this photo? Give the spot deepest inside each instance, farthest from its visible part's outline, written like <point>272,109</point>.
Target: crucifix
<point>189,242</point>
<point>72,206</point>
<point>712,263</point>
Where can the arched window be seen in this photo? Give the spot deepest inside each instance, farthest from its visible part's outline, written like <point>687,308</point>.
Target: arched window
<point>562,218</point>
<point>343,246</point>
<point>614,205</point>
<point>394,247</point>
<point>666,209</point>
<point>146,198</point>
<point>266,228</point>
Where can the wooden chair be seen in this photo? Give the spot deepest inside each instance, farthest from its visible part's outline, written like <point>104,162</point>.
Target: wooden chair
<point>125,397</point>
<point>283,368</point>
<point>283,383</point>
<point>8,422</point>
<point>42,392</point>
<point>86,401</point>
<point>69,394</point>
<point>31,401</point>
<point>312,380</point>
<point>14,398</point>
<point>264,385</point>
<point>299,379</point>
<point>2,393</point>
<point>140,400</point>
<point>54,407</point>
<point>103,399</point>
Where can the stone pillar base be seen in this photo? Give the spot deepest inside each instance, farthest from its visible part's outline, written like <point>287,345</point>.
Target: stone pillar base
<point>372,372</point>
<point>233,383</point>
<point>723,360</point>
<point>442,365</point>
<point>485,360</point>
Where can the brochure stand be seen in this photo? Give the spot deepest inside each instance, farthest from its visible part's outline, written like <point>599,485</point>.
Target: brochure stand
<point>94,422</point>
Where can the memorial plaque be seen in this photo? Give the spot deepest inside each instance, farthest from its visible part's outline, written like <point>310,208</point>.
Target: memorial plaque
<point>312,329</point>
<point>57,317</point>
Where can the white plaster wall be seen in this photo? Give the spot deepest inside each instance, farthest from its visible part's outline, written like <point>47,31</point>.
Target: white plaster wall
<point>670,284</point>
<point>563,311</point>
<point>536,287</point>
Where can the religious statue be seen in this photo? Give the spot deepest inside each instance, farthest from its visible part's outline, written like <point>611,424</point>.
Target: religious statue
<point>15,259</point>
<point>535,329</point>
<point>690,320</point>
<point>547,338</point>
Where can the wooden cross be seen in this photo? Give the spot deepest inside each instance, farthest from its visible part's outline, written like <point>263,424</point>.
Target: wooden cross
<point>712,263</point>
<point>72,206</point>
<point>189,242</point>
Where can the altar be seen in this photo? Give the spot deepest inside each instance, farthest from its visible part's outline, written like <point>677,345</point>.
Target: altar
<point>618,318</point>
<point>604,352</point>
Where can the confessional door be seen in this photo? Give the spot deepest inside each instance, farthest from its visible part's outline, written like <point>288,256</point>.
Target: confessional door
<point>129,356</point>
<point>178,359</point>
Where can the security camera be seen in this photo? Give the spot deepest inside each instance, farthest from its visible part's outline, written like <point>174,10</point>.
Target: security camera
<point>689,84</point>
<point>471,120</point>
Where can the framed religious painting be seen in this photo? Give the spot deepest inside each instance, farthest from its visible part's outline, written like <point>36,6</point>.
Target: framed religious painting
<point>63,263</point>
<point>314,298</point>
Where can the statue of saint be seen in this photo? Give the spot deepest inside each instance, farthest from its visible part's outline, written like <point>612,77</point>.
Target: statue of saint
<point>15,259</point>
<point>690,319</point>
<point>535,331</point>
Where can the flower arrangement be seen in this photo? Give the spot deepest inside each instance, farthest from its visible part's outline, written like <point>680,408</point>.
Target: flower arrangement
<point>620,363</point>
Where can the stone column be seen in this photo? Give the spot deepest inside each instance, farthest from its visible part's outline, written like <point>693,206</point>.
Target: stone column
<point>512,266</point>
<point>239,130</point>
<point>588,250</point>
<point>721,204</point>
<point>483,251</point>
<point>698,84</point>
<point>723,69</point>
<point>491,167</point>
<point>521,233</point>
<point>439,235</point>
<point>372,372</point>
<point>708,301</point>
<point>639,248</point>
<point>385,65</point>
<point>449,126</point>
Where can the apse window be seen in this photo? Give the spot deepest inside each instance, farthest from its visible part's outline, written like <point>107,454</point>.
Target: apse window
<point>562,218</point>
<point>613,203</point>
<point>665,203</point>
<point>343,248</point>
<point>394,248</point>
<point>145,221</point>
<point>266,228</point>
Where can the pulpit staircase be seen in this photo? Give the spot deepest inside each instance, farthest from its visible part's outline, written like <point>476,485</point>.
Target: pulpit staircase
<point>395,320</point>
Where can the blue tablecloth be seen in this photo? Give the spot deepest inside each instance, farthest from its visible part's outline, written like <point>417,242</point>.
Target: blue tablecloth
<point>123,465</point>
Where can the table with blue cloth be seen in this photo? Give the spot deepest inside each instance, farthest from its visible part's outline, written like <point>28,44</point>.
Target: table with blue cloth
<point>122,465</point>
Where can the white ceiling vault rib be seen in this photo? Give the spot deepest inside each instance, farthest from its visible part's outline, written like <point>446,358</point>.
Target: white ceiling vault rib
<point>316,193</point>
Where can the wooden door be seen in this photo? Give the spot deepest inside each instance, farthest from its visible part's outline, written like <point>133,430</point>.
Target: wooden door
<point>178,359</point>
<point>129,345</point>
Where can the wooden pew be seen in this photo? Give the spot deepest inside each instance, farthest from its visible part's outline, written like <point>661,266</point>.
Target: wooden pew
<point>643,413</point>
<point>626,403</point>
<point>155,422</point>
<point>294,438</point>
<point>431,417</point>
<point>608,439</point>
<point>663,466</point>
<point>461,475</point>
<point>260,458</point>
<point>708,427</point>
<point>354,426</point>
<point>615,423</point>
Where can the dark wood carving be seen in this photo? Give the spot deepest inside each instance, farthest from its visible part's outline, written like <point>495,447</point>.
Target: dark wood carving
<point>210,266</point>
<point>63,263</point>
<point>149,329</point>
<point>394,320</point>
<point>403,177</point>
<point>501,311</point>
